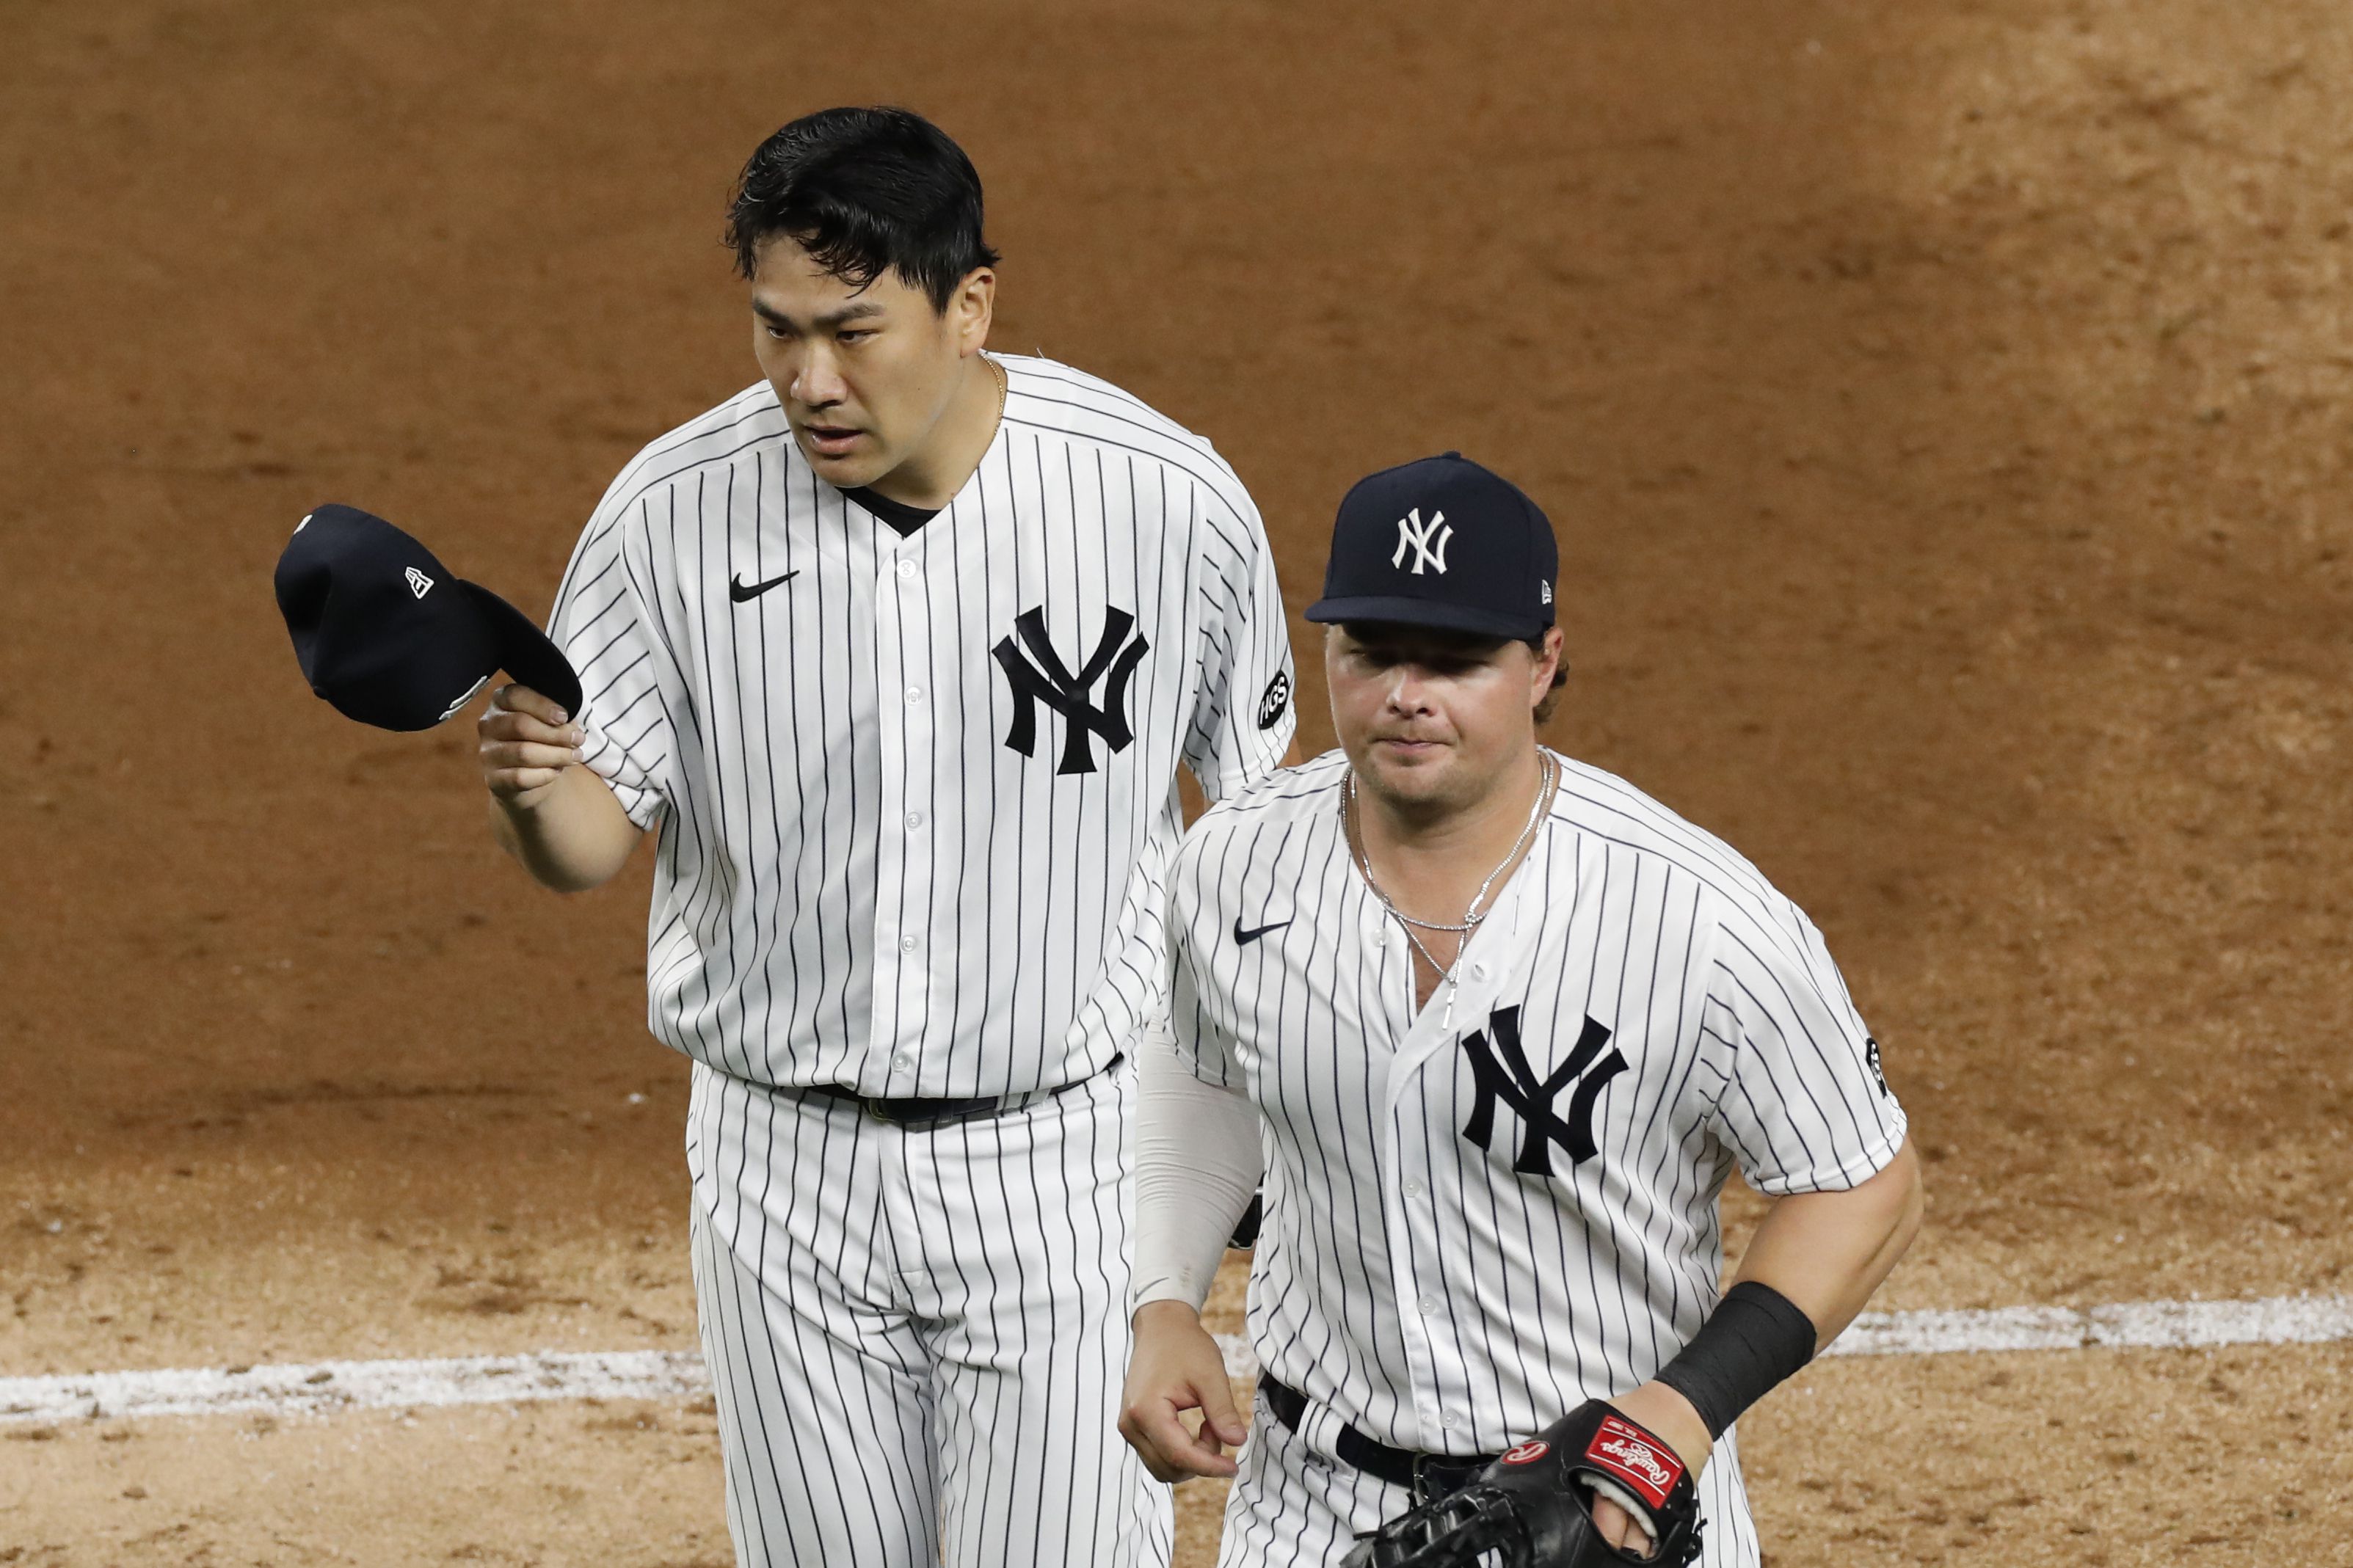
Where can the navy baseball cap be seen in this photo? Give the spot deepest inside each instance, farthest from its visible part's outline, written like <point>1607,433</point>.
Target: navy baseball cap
<point>1441,541</point>
<point>391,636</point>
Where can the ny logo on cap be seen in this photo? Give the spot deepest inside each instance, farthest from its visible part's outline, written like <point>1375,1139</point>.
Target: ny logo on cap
<point>417,582</point>
<point>1416,535</point>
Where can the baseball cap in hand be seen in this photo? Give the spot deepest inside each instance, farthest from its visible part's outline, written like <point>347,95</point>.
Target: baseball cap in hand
<point>1441,541</point>
<point>391,637</point>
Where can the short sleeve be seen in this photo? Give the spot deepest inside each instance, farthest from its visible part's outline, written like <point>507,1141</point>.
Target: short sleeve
<point>1806,1106</point>
<point>1245,715</point>
<point>1200,1040</point>
<point>603,622</point>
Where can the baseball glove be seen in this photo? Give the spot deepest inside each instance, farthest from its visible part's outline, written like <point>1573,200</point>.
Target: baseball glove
<point>1532,1508</point>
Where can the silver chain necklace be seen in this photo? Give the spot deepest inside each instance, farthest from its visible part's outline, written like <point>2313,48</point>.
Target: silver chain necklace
<point>1547,772</point>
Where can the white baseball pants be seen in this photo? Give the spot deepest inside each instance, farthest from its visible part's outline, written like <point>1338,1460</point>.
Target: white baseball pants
<point>917,1335</point>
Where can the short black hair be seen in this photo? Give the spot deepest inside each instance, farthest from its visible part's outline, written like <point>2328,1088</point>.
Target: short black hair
<point>864,191</point>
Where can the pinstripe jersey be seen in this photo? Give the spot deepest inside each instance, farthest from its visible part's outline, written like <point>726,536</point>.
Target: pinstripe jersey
<point>916,795</point>
<point>1469,1232</point>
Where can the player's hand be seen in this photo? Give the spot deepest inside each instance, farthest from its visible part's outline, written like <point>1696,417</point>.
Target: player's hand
<point>526,744</point>
<point>1666,1412</point>
<point>1176,1367</point>
<point>1620,1529</point>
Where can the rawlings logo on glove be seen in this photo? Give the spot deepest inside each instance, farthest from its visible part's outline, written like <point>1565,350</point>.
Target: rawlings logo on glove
<point>1532,1508</point>
<point>1636,1457</point>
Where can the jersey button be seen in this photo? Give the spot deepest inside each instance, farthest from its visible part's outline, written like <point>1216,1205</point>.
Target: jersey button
<point>906,569</point>
<point>1450,1423</point>
<point>906,945</point>
<point>915,819</point>
<point>1430,1310</point>
<point>915,694</point>
<point>1479,969</point>
<point>1413,1189</point>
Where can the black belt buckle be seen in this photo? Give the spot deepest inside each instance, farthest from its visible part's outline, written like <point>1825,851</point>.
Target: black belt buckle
<point>909,1112</point>
<point>1437,1476</point>
<point>929,1112</point>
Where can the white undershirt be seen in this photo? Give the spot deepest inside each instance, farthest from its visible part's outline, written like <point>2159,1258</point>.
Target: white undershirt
<point>1198,1162</point>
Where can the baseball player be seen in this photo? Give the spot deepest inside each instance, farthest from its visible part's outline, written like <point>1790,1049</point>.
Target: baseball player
<point>1501,1026</point>
<point>897,652</point>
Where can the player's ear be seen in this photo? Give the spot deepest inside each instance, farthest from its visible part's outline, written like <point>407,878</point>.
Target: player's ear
<point>972,307</point>
<point>1548,660</point>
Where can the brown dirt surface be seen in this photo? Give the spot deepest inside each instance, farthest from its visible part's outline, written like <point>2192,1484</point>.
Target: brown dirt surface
<point>1944,409</point>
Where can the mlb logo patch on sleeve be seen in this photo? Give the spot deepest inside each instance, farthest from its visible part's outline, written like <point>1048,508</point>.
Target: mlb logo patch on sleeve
<point>1621,1451</point>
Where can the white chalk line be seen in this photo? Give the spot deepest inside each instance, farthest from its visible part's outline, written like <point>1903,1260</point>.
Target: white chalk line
<point>324,1388</point>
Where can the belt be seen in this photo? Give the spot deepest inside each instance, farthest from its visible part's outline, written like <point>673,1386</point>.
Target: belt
<point>910,1111</point>
<point>1427,1476</point>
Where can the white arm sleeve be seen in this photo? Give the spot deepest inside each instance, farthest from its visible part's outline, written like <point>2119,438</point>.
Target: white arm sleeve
<point>1197,1165</point>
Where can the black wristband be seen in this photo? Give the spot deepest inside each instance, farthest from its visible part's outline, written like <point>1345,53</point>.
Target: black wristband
<point>1755,1338</point>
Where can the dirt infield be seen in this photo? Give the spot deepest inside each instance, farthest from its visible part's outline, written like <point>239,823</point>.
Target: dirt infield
<point>1944,410</point>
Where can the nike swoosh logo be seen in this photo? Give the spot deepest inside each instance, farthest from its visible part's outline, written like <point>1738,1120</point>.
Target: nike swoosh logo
<point>739,590</point>
<point>1243,938</point>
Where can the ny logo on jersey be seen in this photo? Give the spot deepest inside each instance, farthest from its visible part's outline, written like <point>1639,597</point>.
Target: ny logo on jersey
<point>1514,1082</point>
<point>1048,680</point>
<point>1417,536</point>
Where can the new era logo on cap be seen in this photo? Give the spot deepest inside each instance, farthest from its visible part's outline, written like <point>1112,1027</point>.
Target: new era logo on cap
<point>418,581</point>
